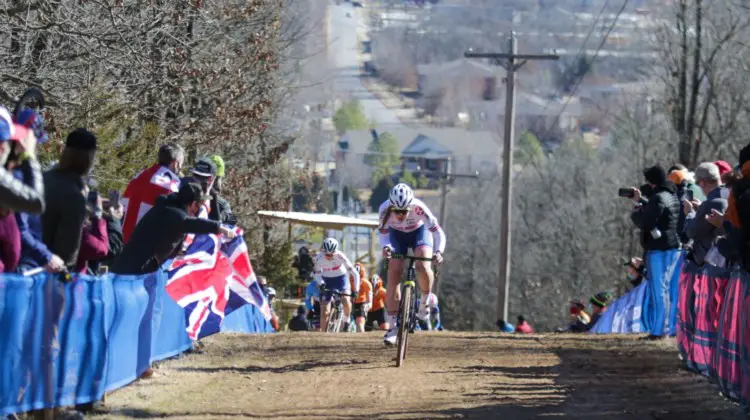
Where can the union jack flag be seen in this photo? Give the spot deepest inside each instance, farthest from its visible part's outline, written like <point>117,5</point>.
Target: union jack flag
<point>212,279</point>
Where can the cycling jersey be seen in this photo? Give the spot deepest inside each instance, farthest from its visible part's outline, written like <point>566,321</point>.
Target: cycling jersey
<point>378,299</point>
<point>335,267</point>
<point>419,216</point>
<point>365,291</point>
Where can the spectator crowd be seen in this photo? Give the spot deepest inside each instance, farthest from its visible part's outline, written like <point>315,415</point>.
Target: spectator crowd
<point>58,221</point>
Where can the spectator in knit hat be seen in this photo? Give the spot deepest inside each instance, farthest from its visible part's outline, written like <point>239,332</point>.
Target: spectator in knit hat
<point>220,209</point>
<point>724,167</point>
<point>702,233</point>
<point>62,222</point>
<point>599,303</point>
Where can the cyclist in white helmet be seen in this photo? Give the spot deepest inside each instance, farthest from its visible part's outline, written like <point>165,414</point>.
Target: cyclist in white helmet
<point>404,223</point>
<point>331,267</point>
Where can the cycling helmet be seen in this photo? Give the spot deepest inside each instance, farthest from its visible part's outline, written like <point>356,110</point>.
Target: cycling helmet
<point>401,196</point>
<point>376,280</point>
<point>271,292</point>
<point>330,245</point>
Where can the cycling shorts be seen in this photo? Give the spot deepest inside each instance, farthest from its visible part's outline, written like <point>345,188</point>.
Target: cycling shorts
<point>377,315</point>
<point>359,310</point>
<point>339,283</point>
<point>403,241</point>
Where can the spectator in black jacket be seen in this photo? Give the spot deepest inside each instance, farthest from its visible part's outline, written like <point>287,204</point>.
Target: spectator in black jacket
<point>159,235</point>
<point>657,217</point>
<point>62,221</point>
<point>299,322</point>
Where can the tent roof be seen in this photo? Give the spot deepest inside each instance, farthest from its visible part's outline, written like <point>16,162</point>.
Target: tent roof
<point>329,221</point>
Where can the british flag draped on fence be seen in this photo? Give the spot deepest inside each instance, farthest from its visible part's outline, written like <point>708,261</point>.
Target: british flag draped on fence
<point>211,280</point>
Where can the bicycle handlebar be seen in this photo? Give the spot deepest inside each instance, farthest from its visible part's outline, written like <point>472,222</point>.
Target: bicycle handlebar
<point>409,257</point>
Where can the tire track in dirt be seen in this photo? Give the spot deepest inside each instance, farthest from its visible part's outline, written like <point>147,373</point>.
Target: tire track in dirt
<point>446,375</point>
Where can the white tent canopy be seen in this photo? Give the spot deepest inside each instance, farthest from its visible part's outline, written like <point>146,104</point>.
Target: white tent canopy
<point>327,221</point>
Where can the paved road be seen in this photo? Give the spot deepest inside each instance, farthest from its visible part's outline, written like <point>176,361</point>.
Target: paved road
<point>343,53</point>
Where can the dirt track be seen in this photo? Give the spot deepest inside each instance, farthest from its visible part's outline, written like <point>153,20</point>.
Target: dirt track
<point>447,375</point>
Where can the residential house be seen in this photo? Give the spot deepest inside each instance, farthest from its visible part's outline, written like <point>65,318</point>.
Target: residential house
<point>432,150</point>
<point>444,88</point>
<point>548,118</point>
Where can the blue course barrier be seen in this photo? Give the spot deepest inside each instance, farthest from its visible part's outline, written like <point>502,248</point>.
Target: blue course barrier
<point>90,336</point>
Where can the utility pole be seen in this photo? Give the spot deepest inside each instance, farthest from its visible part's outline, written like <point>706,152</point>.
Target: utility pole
<point>511,61</point>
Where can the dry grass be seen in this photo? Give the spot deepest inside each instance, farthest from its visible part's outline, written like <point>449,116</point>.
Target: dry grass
<point>447,375</point>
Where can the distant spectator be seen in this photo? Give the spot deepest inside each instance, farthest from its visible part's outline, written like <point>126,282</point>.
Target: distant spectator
<point>636,271</point>
<point>263,281</point>
<point>579,319</point>
<point>505,327</point>
<point>204,174</point>
<point>599,303</point>
<point>299,322</point>
<point>94,238</point>
<point>159,235</point>
<point>697,228</point>
<point>113,218</point>
<point>523,326</point>
<point>271,293</point>
<point>679,178</point>
<point>377,311</point>
<point>19,144</point>
<point>161,179</point>
<point>221,210</point>
<point>63,220</point>
<point>304,264</point>
<point>312,302</point>
<point>683,178</point>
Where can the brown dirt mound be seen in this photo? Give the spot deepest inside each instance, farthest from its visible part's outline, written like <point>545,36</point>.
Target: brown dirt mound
<point>446,375</point>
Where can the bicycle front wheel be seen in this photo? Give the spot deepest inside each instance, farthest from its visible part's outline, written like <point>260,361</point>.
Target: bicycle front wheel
<point>403,328</point>
<point>333,320</point>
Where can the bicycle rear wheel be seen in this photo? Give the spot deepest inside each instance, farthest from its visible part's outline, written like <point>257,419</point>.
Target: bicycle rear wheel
<point>403,328</point>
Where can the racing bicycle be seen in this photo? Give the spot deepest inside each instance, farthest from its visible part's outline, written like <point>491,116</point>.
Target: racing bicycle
<point>408,307</point>
<point>336,316</point>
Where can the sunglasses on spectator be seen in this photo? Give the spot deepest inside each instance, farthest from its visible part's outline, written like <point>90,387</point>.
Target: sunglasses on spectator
<point>400,211</point>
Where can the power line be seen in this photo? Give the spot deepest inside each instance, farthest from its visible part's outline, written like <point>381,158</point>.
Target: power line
<point>580,79</point>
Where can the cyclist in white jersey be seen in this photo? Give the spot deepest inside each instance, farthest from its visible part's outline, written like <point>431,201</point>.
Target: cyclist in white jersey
<point>331,267</point>
<point>404,224</point>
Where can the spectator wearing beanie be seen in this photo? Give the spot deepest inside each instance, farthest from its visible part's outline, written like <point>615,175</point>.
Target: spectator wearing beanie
<point>62,221</point>
<point>221,210</point>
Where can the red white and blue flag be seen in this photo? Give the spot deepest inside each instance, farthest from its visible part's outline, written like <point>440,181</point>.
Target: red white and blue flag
<point>212,279</point>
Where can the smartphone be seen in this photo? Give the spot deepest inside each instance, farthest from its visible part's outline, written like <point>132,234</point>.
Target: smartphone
<point>689,194</point>
<point>93,196</point>
<point>625,192</point>
<point>114,197</point>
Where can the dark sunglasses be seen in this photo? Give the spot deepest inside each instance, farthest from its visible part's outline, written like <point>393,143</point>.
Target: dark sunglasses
<point>399,211</point>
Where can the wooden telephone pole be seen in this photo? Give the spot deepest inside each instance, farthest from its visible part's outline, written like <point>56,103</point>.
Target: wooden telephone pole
<point>511,61</point>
